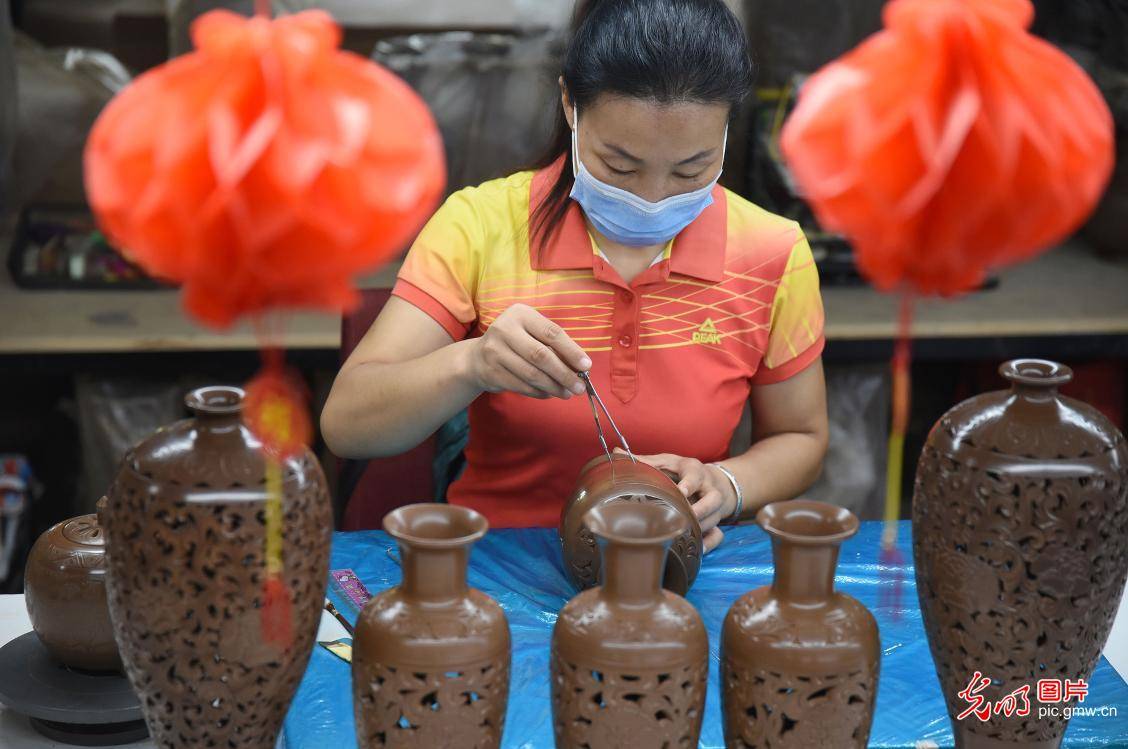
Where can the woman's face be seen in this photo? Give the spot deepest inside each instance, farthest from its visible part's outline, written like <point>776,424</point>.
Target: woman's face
<point>653,150</point>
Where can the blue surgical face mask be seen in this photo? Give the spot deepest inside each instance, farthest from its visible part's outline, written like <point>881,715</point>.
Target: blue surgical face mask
<point>624,217</point>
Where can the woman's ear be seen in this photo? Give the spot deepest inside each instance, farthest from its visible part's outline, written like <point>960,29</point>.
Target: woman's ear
<point>566,103</point>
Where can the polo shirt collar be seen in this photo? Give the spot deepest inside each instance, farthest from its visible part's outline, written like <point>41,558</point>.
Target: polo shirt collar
<point>698,251</point>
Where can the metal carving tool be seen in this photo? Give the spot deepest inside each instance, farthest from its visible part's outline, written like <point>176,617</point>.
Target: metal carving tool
<point>593,398</point>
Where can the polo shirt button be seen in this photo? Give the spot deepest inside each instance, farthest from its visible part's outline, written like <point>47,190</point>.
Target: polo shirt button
<point>625,295</point>
<point>626,341</point>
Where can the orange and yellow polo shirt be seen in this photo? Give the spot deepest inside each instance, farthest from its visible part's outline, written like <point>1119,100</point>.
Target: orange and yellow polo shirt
<point>734,302</point>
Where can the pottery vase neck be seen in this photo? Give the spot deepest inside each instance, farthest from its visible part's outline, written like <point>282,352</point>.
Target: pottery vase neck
<point>804,573</point>
<point>434,542</point>
<point>805,537</point>
<point>434,576</point>
<point>1036,380</point>
<point>216,408</point>
<point>632,573</point>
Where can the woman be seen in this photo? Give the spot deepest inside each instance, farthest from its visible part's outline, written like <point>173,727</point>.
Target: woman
<point>620,255</point>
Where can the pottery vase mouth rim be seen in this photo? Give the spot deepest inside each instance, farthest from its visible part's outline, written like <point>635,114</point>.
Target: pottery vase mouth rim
<point>433,525</point>
<point>635,523</point>
<point>1039,373</point>
<point>215,400</point>
<point>807,522</point>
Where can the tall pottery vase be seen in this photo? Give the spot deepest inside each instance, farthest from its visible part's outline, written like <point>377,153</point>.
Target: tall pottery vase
<point>800,660</point>
<point>1020,537</point>
<point>431,656</point>
<point>629,659</point>
<point>620,479</point>
<point>184,528</point>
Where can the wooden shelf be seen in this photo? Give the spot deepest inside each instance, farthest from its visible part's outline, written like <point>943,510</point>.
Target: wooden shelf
<point>1065,292</point>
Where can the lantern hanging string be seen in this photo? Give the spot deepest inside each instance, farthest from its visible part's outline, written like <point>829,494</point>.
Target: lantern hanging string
<point>890,557</point>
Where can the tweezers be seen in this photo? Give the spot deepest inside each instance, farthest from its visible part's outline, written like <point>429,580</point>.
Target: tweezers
<point>593,398</point>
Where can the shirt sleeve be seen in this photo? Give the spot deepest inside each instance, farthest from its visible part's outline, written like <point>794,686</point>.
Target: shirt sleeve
<point>796,336</point>
<point>440,273</point>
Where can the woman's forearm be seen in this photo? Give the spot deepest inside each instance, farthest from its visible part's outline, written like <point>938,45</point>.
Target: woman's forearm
<point>777,467</point>
<point>377,408</point>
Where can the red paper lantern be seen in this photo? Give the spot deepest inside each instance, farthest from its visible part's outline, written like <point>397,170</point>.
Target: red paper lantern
<point>266,169</point>
<point>951,143</point>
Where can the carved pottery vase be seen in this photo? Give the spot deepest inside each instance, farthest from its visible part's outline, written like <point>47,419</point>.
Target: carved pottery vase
<point>431,656</point>
<point>1020,538</point>
<point>65,591</point>
<point>622,480</point>
<point>184,529</point>
<point>799,660</point>
<point>629,659</point>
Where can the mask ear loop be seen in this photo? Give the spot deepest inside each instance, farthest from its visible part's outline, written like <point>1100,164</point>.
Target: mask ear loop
<point>575,141</point>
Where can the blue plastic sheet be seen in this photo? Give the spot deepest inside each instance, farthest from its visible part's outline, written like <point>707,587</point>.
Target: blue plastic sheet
<point>522,570</point>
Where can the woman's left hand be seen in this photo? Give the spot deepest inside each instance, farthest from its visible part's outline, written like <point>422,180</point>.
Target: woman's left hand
<point>707,489</point>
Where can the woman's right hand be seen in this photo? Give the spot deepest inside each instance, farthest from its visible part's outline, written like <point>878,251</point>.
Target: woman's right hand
<point>525,352</point>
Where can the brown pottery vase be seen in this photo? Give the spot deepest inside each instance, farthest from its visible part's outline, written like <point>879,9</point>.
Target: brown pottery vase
<point>620,479</point>
<point>431,656</point>
<point>65,590</point>
<point>1020,538</point>
<point>799,660</point>
<point>629,659</point>
<point>184,528</point>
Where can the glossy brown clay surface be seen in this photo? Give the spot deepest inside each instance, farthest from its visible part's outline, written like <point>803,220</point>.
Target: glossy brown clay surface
<point>65,588</point>
<point>799,660</point>
<point>184,528</point>
<point>623,480</point>
<point>1020,537</point>
<point>431,656</point>
<point>629,659</point>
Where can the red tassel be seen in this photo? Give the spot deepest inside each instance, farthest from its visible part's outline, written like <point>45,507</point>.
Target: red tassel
<point>277,615</point>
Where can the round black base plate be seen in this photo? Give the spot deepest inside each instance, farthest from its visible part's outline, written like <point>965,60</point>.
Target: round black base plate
<point>98,734</point>
<point>82,708</point>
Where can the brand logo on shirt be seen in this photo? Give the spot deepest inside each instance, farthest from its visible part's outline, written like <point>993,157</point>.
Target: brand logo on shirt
<point>707,333</point>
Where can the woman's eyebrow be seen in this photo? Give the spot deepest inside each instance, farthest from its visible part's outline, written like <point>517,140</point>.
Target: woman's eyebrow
<point>624,153</point>
<point>631,157</point>
<point>697,157</point>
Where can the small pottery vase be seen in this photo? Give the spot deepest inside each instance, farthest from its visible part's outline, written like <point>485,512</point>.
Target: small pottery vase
<point>799,660</point>
<point>621,479</point>
<point>431,657</point>
<point>65,589</point>
<point>629,659</point>
<point>184,529</point>
<point>1020,537</point>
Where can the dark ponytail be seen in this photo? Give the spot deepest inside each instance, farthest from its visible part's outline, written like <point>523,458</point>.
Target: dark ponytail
<point>659,50</point>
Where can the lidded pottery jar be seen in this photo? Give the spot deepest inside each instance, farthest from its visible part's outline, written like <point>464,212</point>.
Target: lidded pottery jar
<point>65,589</point>
<point>1020,538</point>
<point>799,660</point>
<point>184,527</point>
<point>620,479</point>
<point>629,659</point>
<point>430,663</point>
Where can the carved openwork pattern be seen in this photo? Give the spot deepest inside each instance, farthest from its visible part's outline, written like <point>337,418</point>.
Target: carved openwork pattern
<point>769,710</point>
<point>402,708</point>
<point>584,563</point>
<point>1019,572</point>
<point>184,592</point>
<point>602,709</point>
